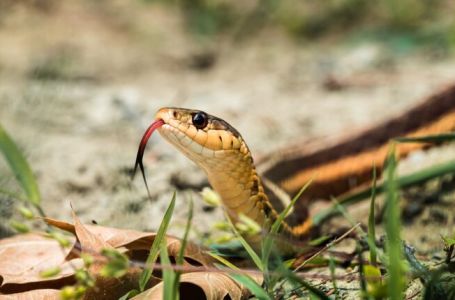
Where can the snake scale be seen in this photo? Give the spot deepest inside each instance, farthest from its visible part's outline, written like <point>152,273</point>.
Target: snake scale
<point>219,149</point>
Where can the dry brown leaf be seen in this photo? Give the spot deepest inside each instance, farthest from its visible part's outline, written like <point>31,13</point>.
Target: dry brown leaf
<point>24,256</point>
<point>90,241</point>
<point>134,240</point>
<point>204,285</point>
<point>114,288</point>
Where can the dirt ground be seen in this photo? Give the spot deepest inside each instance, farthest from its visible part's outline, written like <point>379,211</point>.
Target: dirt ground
<point>79,85</point>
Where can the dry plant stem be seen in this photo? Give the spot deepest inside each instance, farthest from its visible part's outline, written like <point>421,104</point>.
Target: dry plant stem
<point>336,241</point>
<point>413,295</point>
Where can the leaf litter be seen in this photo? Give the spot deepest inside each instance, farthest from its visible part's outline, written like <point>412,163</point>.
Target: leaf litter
<point>26,256</point>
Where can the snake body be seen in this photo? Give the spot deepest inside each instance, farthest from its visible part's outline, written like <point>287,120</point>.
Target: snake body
<point>219,149</point>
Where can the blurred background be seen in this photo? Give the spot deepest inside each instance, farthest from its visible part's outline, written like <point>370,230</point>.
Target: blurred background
<point>81,80</point>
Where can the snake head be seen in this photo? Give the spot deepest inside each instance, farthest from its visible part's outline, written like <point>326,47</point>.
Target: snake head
<point>199,135</point>
<point>208,141</point>
<point>220,151</point>
<point>195,133</point>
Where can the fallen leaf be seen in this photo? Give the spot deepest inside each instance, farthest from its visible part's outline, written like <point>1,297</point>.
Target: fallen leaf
<point>88,239</point>
<point>25,256</point>
<point>90,243</point>
<point>204,285</point>
<point>114,288</point>
<point>134,240</point>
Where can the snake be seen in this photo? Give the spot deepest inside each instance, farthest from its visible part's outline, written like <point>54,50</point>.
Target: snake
<point>222,153</point>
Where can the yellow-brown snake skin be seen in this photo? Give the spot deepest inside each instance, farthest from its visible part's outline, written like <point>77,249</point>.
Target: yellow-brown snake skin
<point>222,153</point>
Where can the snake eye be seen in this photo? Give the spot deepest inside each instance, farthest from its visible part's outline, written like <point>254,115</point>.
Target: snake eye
<point>200,120</point>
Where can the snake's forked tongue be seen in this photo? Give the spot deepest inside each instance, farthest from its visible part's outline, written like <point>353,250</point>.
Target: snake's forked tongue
<point>140,152</point>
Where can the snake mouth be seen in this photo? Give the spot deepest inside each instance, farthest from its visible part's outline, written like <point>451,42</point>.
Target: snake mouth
<point>140,152</point>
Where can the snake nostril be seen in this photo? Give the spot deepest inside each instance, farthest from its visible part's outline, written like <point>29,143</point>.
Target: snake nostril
<point>175,114</point>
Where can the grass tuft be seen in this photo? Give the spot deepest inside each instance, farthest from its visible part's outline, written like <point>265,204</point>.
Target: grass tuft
<point>154,250</point>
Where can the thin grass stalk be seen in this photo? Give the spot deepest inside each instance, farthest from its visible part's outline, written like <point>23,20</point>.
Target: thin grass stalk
<point>372,223</point>
<point>393,229</point>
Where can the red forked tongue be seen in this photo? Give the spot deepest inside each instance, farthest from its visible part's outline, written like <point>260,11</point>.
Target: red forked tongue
<point>140,152</point>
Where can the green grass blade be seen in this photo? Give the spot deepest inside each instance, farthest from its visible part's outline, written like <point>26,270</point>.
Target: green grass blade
<point>267,244</point>
<point>342,210</point>
<point>257,261</point>
<point>129,295</point>
<point>224,261</point>
<point>393,229</point>
<point>180,256</point>
<point>170,289</point>
<point>332,268</point>
<point>277,224</point>
<point>154,250</point>
<point>185,235</point>
<point>440,138</point>
<point>401,182</point>
<point>251,285</point>
<point>20,167</point>
<point>371,223</point>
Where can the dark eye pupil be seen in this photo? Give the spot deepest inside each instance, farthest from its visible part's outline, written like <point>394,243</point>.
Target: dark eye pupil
<point>199,120</point>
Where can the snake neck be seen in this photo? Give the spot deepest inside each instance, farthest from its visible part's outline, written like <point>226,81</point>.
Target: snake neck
<point>240,187</point>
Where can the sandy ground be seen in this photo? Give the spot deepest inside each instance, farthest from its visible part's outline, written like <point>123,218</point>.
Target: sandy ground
<point>78,86</point>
